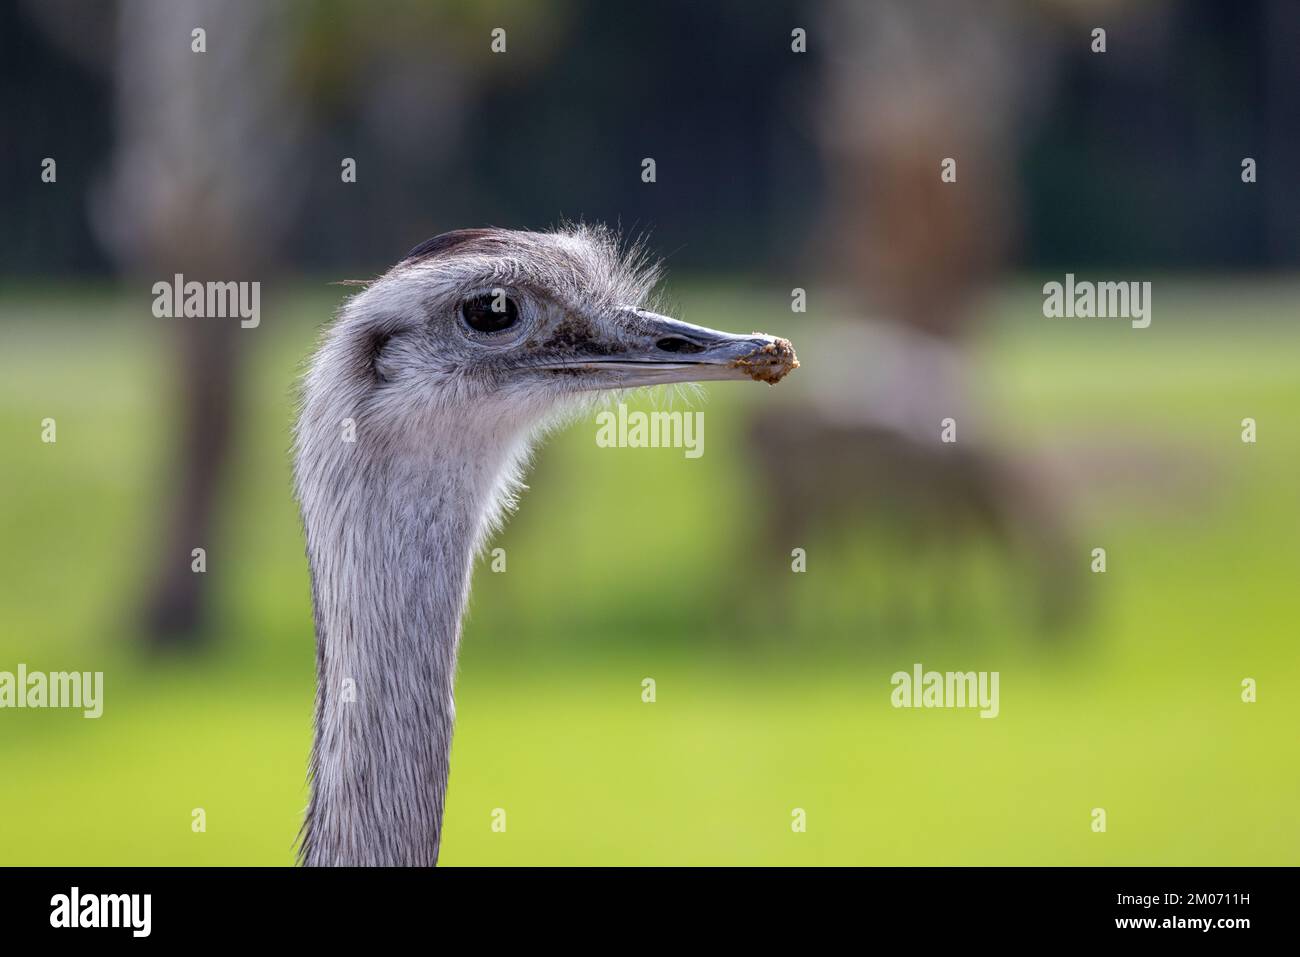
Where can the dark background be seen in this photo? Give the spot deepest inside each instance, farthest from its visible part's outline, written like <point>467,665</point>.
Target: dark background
<point>1190,88</point>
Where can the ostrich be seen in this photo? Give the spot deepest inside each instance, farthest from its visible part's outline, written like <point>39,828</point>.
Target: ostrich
<point>418,411</point>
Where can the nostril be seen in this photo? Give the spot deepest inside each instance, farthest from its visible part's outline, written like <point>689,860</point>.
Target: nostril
<point>678,344</point>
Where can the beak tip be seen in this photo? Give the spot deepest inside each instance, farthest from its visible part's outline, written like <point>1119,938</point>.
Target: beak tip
<point>770,362</point>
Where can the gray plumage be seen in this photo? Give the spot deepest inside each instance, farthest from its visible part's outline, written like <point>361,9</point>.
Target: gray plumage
<point>414,429</point>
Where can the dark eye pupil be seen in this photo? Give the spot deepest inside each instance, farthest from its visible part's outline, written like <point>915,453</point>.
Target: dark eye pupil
<point>490,313</point>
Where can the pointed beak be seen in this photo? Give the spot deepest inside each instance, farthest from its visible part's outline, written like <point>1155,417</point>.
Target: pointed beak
<point>650,349</point>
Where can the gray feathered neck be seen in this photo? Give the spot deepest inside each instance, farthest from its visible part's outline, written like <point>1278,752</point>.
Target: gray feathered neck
<point>398,491</point>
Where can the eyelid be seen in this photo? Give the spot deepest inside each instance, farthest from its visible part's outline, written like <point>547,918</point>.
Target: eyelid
<point>524,299</point>
<point>509,296</point>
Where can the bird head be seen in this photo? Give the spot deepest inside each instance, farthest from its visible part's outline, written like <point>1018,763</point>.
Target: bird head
<point>509,325</point>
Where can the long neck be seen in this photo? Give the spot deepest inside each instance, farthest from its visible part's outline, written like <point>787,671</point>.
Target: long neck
<point>390,552</point>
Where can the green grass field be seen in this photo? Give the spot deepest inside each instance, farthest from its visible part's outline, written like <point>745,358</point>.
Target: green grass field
<point>1138,711</point>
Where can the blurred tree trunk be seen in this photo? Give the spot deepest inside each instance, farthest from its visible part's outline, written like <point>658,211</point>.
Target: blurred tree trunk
<point>910,86</point>
<point>200,184</point>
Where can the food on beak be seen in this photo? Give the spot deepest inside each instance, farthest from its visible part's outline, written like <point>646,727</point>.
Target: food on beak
<point>770,362</point>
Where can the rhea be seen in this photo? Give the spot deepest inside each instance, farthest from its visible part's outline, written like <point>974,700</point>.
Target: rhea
<point>417,415</point>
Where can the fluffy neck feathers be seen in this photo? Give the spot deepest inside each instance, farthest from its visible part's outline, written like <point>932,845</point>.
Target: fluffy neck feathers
<point>391,536</point>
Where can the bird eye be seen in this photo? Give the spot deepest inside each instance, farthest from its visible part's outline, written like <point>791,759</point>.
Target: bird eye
<point>491,312</point>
